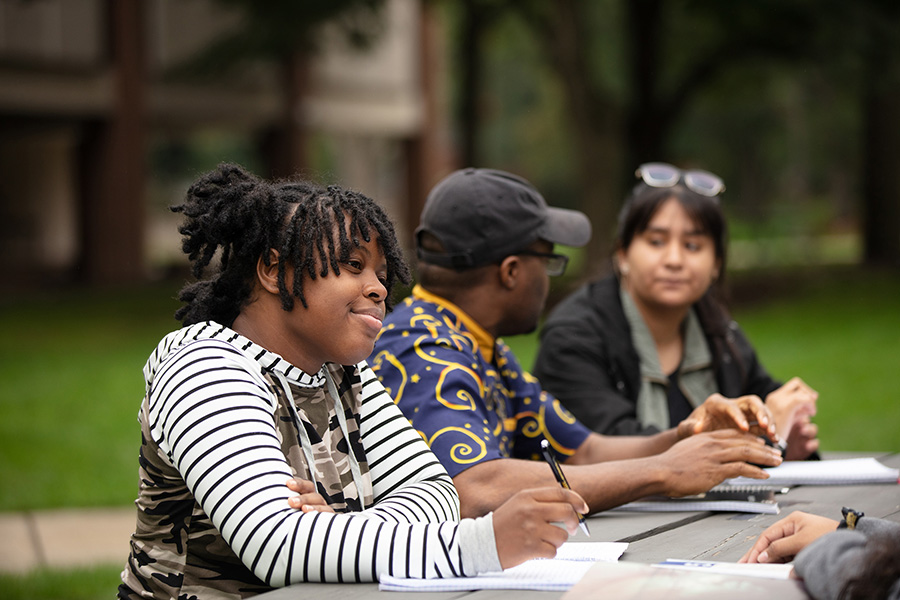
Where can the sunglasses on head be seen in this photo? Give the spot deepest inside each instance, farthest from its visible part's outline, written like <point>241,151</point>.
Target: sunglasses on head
<point>664,175</point>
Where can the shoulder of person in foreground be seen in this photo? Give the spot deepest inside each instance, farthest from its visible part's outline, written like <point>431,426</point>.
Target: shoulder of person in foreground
<point>859,563</point>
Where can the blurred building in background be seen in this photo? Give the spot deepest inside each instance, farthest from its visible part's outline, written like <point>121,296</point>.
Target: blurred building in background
<point>86,96</point>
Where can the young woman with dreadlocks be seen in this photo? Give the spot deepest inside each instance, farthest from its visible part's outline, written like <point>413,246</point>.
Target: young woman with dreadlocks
<point>266,383</point>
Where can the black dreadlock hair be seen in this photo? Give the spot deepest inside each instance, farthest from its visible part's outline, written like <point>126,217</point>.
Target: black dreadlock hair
<point>312,228</point>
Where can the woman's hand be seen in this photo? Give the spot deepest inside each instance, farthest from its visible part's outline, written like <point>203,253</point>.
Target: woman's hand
<point>782,541</point>
<point>524,525</point>
<point>309,500</point>
<point>747,413</point>
<point>803,440</point>
<point>792,406</point>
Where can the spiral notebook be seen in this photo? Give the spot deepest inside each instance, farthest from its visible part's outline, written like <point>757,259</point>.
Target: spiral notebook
<point>722,498</point>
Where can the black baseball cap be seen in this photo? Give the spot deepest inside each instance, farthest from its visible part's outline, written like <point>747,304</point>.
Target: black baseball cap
<point>481,216</point>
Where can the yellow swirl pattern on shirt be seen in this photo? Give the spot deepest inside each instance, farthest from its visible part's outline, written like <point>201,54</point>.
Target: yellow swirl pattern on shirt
<point>428,321</point>
<point>534,425</point>
<point>461,450</point>
<point>559,409</point>
<point>377,364</point>
<point>553,441</point>
<point>465,399</point>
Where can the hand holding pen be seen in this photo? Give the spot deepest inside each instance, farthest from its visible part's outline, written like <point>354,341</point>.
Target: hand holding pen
<point>527,525</point>
<point>777,441</point>
<point>561,479</point>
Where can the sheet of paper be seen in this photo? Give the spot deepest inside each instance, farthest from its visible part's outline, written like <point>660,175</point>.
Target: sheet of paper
<point>825,472</point>
<point>605,551</point>
<point>768,571</point>
<point>637,581</point>
<point>679,505</point>
<point>572,561</point>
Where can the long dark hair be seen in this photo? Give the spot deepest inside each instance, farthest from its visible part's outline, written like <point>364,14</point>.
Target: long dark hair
<point>233,214</point>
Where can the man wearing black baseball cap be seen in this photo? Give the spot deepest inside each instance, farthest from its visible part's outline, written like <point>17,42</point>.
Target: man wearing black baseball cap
<point>480,216</point>
<point>485,245</point>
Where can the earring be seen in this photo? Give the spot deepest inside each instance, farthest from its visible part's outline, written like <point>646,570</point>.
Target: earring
<point>624,268</point>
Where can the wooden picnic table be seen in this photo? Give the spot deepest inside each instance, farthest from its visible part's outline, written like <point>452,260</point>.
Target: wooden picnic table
<point>655,537</point>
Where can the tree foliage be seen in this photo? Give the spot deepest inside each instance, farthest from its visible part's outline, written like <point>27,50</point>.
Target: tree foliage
<point>278,30</point>
<point>776,95</point>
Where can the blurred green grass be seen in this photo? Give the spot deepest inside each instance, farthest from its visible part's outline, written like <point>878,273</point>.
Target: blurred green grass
<point>70,388</point>
<point>72,584</point>
<point>842,336</point>
<point>71,384</point>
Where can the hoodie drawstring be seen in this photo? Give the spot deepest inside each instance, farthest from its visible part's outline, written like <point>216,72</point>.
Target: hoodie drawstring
<point>342,420</point>
<point>306,443</point>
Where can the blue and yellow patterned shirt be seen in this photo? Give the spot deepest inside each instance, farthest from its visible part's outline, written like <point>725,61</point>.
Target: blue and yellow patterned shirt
<point>464,391</point>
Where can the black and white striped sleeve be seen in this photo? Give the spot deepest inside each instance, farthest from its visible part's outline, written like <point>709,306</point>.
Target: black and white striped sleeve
<point>212,413</point>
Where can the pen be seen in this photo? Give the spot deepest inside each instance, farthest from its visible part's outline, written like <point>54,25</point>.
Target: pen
<point>780,443</point>
<point>561,478</point>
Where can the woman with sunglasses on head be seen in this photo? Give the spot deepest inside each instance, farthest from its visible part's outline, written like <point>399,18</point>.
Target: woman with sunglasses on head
<point>637,351</point>
<point>270,453</point>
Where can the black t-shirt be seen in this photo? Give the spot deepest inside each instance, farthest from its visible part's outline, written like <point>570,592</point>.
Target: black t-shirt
<point>679,407</point>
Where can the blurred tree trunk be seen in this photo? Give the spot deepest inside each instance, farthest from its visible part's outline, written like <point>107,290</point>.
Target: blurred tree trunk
<point>284,145</point>
<point>470,60</point>
<point>427,155</point>
<point>881,161</point>
<point>113,161</point>
<point>286,32</point>
<point>646,125</point>
<point>564,31</point>
<point>617,128</point>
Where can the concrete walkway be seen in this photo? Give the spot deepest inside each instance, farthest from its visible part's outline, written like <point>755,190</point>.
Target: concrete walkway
<point>65,539</point>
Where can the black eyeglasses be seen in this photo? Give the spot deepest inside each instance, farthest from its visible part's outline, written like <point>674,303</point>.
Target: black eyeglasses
<point>664,175</point>
<point>556,263</point>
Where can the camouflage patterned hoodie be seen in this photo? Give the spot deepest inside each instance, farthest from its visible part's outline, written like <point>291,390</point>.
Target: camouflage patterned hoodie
<point>225,422</point>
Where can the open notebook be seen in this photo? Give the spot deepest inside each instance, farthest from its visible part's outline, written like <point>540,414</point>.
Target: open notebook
<point>573,559</point>
<point>825,472</point>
